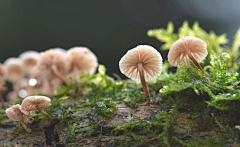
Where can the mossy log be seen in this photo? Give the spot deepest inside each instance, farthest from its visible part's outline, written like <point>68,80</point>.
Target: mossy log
<point>55,132</point>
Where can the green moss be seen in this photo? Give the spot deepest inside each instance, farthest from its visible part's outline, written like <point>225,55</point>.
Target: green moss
<point>216,44</point>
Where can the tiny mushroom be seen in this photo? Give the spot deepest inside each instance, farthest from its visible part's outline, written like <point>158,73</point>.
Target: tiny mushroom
<point>142,63</point>
<point>3,87</point>
<point>81,60</point>
<point>38,82</point>
<point>14,70</point>
<point>23,88</point>
<point>187,48</point>
<point>2,72</point>
<point>16,113</point>
<point>32,103</point>
<point>29,59</point>
<point>52,64</point>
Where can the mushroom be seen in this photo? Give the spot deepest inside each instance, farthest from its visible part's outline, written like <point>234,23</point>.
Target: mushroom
<point>142,63</point>
<point>52,64</point>
<point>81,60</point>
<point>3,87</point>
<point>14,70</point>
<point>60,50</point>
<point>32,103</point>
<point>23,88</point>
<point>29,59</point>
<point>2,72</point>
<point>187,48</point>
<point>16,113</point>
<point>56,83</point>
<point>38,82</point>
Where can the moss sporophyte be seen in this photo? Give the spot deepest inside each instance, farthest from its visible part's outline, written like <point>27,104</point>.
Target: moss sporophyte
<point>191,109</point>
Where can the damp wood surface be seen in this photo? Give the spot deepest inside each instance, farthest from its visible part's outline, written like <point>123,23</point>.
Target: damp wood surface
<point>52,132</point>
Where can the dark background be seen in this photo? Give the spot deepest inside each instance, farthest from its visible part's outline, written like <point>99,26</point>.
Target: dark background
<point>108,28</point>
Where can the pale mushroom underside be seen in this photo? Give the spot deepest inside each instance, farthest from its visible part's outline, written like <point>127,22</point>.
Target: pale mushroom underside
<point>52,58</point>
<point>178,51</point>
<point>29,103</point>
<point>150,59</point>
<point>81,60</point>
<point>14,69</point>
<point>14,112</point>
<point>29,55</point>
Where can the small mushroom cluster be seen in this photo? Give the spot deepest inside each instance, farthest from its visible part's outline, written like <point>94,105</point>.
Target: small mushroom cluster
<point>33,72</point>
<point>22,112</point>
<point>144,63</point>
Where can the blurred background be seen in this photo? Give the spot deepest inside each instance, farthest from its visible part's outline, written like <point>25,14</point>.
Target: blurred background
<point>108,28</point>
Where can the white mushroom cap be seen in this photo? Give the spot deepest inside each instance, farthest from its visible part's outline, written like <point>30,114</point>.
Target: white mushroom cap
<point>29,103</point>
<point>145,54</point>
<point>182,47</point>
<point>29,54</point>
<point>81,60</point>
<point>13,60</point>
<point>14,69</point>
<point>29,59</point>
<point>15,112</point>
<point>60,50</point>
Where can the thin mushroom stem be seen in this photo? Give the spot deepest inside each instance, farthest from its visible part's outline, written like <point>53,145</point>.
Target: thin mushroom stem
<point>46,86</point>
<point>144,84</point>
<point>14,85</point>
<point>2,101</point>
<point>52,88</point>
<point>43,112</point>
<point>59,75</point>
<point>24,125</point>
<point>195,62</point>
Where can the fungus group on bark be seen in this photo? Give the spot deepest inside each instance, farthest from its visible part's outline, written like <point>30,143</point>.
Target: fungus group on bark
<point>188,48</point>
<point>46,70</point>
<point>52,67</point>
<point>22,112</point>
<point>142,63</point>
<point>36,103</point>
